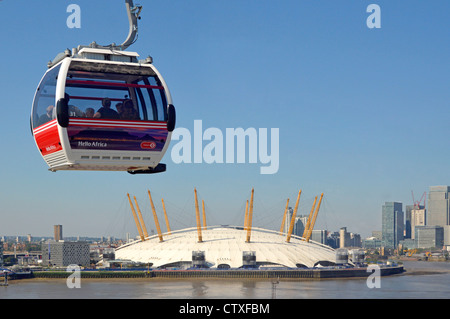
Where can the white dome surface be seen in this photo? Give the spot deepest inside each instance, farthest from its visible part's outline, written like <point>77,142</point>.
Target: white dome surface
<point>224,246</point>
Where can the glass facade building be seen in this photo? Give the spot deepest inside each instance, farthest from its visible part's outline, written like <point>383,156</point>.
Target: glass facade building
<point>392,224</point>
<point>438,213</point>
<point>429,236</point>
<point>438,206</point>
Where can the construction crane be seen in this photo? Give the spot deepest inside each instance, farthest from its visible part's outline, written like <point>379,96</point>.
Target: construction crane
<point>417,203</point>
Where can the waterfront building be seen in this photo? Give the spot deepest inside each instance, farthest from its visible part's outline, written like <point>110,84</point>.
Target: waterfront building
<point>299,223</point>
<point>355,240</point>
<point>378,234</point>
<point>438,206</point>
<point>333,240</point>
<point>409,222</point>
<point>439,209</point>
<point>408,232</point>
<point>418,218</point>
<point>407,243</point>
<point>392,224</point>
<point>319,236</point>
<point>1,253</point>
<point>429,236</point>
<point>371,243</point>
<point>64,253</point>
<point>348,239</point>
<point>344,238</point>
<point>57,230</point>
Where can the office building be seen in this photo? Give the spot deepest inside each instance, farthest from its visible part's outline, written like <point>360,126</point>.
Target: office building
<point>371,243</point>
<point>1,253</point>
<point>57,230</point>
<point>447,237</point>
<point>378,234</point>
<point>64,253</point>
<point>407,243</point>
<point>348,239</point>
<point>299,223</point>
<point>408,228</point>
<point>319,236</point>
<point>438,206</point>
<point>418,218</point>
<point>333,240</point>
<point>344,238</point>
<point>438,213</point>
<point>355,240</point>
<point>392,224</point>
<point>429,236</point>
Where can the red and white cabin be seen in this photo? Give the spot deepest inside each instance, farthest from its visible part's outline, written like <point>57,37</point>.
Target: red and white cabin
<point>103,110</point>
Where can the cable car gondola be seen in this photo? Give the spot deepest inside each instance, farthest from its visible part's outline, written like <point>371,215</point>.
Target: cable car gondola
<point>99,108</point>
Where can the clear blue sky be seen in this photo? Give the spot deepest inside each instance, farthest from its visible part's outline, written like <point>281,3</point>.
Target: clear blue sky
<point>363,113</point>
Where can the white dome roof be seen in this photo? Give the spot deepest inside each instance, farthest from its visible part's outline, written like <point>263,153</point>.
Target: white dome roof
<point>224,245</point>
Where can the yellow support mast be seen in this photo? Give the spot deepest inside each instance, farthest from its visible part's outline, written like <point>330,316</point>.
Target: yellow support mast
<point>291,226</point>
<point>250,218</point>
<point>314,219</point>
<point>246,216</point>
<point>197,215</point>
<point>284,217</point>
<point>166,218</point>
<point>305,232</point>
<point>138,226</point>
<point>158,229</point>
<point>204,214</point>
<point>141,219</point>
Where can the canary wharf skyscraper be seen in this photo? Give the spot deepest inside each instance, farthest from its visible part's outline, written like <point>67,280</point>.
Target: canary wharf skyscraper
<point>392,224</point>
<point>438,206</point>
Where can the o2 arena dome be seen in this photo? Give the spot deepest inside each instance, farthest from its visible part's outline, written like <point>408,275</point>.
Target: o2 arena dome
<point>224,247</point>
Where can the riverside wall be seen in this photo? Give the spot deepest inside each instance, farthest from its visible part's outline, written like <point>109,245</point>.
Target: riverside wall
<point>317,273</point>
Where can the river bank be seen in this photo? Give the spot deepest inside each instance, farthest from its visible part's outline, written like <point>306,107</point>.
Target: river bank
<point>271,274</point>
<point>419,280</point>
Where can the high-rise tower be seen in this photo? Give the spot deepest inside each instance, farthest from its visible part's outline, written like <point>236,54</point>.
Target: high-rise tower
<point>392,224</point>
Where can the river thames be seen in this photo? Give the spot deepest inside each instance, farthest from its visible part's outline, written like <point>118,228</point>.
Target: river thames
<point>422,280</point>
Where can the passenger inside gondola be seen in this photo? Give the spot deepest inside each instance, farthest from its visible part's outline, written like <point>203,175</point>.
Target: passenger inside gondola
<point>90,112</point>
<point>129,112</point>
<point>106,112</point>
<point>74,111</point>
<point>119,108</point>
<point>49,115</point>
